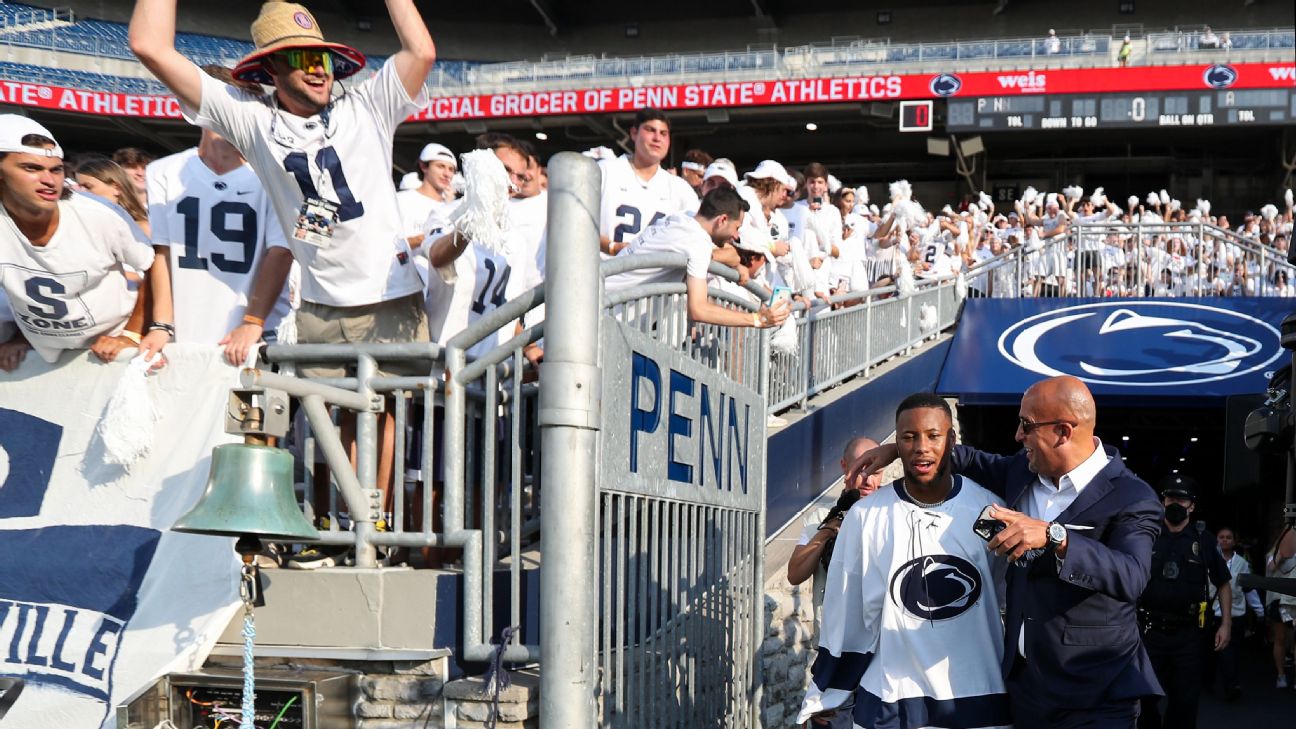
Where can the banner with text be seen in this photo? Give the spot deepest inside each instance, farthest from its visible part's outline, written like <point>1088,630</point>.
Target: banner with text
<point>732,94</point>
<point>99,598</point>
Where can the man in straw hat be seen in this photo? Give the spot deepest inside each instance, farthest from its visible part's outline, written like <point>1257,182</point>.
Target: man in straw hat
<point>325,159</point>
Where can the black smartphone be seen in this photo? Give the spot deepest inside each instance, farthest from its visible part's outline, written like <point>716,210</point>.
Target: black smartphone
<point>987,528</point>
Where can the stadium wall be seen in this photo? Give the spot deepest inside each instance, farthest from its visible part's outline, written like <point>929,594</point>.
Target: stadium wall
<point>922,20</point>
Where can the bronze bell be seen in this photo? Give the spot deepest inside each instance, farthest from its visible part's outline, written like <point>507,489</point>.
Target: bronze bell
<point>249,493</point>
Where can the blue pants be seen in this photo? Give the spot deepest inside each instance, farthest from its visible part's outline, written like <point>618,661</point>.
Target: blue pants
<point>1029,713</point>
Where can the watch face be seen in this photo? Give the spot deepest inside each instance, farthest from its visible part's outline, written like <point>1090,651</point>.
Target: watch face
<point>1056,533</point>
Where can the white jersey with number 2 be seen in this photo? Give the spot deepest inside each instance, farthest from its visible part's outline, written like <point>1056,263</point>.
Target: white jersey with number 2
<point>631,204</point>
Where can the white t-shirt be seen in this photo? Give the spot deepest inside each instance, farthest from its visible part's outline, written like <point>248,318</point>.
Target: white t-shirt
<point>529,216</point>
<point>217,228</point>
<point>678,233</point>
<point>343,156</point>
<point>477,282</point>
<point>68,292</point>
<point>415,207</point>
<point>631,204</point>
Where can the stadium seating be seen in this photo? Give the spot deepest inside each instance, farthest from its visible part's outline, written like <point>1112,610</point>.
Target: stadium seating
<point>50,30</point>
<point>79,79</point>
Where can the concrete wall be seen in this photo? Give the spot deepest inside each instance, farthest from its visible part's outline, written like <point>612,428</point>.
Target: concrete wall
<point>911,21</point>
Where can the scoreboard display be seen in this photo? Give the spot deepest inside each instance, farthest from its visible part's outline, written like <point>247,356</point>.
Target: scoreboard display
<point>1227,107</point>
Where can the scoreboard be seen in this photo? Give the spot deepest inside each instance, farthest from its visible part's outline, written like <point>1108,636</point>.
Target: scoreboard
<point>1226,107</point>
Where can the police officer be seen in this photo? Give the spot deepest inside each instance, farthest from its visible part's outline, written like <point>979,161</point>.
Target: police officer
<point>1173,608</point>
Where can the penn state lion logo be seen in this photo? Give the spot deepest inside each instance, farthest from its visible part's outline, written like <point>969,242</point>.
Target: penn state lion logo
<point>936,587</point>
<point>1147,344</point>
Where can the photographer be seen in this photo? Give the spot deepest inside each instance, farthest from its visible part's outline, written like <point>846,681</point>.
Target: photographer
<point>814,549</point>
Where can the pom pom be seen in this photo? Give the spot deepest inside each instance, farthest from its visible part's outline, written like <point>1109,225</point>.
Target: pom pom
<point>1029,195</point>
<point>927,318</point>
<point>1133,203</point>
<point>1204,206</point>
<point>834,185</point>
<point>1287,197</point>
<point>905,284</point>
<point>874,209</point>
<point>126,428</point>
<point>1098,198</point>
<point>1153,200</point>
<point>900,190</point>
<point>1165,197</point>
<point>1269,212</point>
<point>984,201</point>
<point>599,153</point>
<point>482,216</point>
<point>947,210</point>
<point>909,215</point>
<point>1175,205</point>
<point>286,332</point>
<point>960,287</point>
<point>784,340</point>
<point>1073,193</point>
<point>457,184</point>
<point>861,195</point>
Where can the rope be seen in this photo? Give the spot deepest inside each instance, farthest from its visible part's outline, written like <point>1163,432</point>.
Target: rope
<point>497,676</point>
<point>247,590</point>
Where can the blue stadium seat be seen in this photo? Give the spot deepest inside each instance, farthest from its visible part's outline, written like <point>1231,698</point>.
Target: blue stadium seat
<point>79,79</point>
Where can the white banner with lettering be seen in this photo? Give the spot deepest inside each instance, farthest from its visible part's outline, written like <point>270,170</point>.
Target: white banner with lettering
<point>99,597</point>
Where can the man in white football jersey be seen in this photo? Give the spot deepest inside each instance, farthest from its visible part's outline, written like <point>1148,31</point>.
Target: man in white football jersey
<point>637,191</point>
<point>63,259</point>
<point>911,634</point>
<point>325,161</point>
<point>228,259</point>
<point>472,279</point>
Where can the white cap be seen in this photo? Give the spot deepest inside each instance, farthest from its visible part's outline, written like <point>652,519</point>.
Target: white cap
<point>439,153</point>
<point>410,181</point>
<point>13,127</point>
<point>769,169</point>
<point>750,247</point>
<point>723,171</point>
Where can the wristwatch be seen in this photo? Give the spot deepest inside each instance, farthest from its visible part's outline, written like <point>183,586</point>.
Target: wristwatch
<point>1056,535</point>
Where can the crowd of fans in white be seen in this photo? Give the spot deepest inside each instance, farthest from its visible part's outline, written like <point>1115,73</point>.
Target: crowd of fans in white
<point>803,230</point>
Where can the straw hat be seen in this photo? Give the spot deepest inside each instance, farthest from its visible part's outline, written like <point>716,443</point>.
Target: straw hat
<point>282,26</point>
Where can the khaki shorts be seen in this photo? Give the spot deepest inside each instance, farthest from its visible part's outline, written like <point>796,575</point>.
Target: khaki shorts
<point>395,321</point>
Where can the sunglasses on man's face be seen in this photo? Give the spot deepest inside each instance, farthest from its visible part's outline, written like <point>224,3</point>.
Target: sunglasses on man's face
<point>309,60</point>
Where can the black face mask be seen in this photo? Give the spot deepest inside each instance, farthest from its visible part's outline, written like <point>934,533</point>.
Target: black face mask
<point>1176,514</point>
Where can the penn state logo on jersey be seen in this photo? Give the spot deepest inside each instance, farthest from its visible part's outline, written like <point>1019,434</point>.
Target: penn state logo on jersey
<point>936,587</point>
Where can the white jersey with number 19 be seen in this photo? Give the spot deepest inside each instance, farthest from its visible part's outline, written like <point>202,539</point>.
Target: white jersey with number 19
<point>217,227</point>
<point>630,204</point>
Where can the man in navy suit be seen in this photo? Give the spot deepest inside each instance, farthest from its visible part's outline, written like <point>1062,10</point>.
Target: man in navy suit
<point>1080,531</point>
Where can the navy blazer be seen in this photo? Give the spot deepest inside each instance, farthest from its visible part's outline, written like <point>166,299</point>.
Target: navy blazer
<point>1082,640</point>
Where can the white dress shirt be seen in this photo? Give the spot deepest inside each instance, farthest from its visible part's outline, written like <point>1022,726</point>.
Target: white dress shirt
<point>1047,500</point>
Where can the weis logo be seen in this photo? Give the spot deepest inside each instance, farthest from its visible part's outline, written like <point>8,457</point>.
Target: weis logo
<point>1025,82</point>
